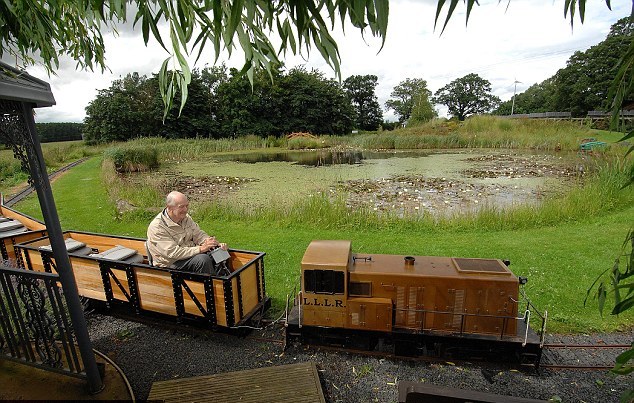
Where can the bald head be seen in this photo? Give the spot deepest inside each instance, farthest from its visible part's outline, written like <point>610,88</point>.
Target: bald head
<point>176,206</point>
<point>174,198</point>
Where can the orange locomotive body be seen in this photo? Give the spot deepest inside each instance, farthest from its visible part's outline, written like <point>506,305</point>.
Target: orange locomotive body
<point>417,303</point>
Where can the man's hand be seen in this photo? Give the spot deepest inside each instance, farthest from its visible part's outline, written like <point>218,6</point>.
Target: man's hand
<point>211,243</point>
<point>208,244</point>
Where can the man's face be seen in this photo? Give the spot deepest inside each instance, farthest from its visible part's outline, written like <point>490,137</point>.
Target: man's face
<point>178,211</point>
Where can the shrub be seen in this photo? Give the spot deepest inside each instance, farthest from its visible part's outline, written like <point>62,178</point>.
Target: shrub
<point>133,159</point>
<point>302,143</point>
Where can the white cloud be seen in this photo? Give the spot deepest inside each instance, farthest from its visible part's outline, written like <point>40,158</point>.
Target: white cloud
<point>525,41</point>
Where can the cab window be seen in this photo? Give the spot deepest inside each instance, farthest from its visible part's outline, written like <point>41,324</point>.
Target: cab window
<point>324,281</point>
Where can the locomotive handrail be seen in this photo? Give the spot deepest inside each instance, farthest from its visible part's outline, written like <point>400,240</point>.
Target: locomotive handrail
<point>299,311</point>
<point>544,317</point>
<point>457,313</point>
<point>424,312</point>
<point>527,315</point>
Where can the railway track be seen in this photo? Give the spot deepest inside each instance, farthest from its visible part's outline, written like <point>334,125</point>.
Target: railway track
<point>587,357</point>
<point>581,356</point>
<point>27,190</point>
<point>555,356</point>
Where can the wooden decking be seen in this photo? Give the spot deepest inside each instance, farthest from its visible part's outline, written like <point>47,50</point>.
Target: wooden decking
<point>298,383</point>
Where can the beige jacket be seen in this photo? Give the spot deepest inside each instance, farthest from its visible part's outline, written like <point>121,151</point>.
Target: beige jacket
<point>169,241</point>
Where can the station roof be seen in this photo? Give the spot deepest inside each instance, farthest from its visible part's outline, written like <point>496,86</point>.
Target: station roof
<point>18,85</point>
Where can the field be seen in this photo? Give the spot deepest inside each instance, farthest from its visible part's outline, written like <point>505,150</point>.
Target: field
<point>561,247</point>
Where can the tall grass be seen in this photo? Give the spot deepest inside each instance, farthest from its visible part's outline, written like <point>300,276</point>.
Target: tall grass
<point>475,132</point>
<point>59,154</point>
<point>189,149</point>
<point>478,132</point>
<point>55,156</point>
<point>303,143</point>
<point>123,188</point>
<point>600,194</point>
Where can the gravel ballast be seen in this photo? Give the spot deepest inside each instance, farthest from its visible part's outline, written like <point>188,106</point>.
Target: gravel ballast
<point>149,352</point>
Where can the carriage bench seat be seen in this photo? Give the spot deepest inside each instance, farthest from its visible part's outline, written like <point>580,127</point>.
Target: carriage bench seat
<point>72,246</point>
<point>13,232</point>
<point>8,225</point>
<point>120,253</point>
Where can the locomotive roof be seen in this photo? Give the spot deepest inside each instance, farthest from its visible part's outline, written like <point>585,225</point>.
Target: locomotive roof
<point>327,253</point>
<point>431,266</point>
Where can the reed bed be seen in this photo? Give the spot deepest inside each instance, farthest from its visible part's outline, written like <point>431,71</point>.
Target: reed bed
<point>475,132</point>
<point>189,149</point>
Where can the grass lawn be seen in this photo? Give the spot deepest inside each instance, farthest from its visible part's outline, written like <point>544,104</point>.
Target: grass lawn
<point>560,261</point>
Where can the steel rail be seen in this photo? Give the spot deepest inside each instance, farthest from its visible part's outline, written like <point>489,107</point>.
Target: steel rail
<point>29,189</point>
<point>582,366</point>
<point>597,346</point>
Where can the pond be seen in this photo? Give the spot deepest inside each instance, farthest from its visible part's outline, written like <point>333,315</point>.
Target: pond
<point>438,182</point>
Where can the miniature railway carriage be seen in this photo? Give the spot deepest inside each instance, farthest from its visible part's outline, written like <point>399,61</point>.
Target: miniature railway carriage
<point>116,270</point>
<point>416,305</point>
<point>16,227</point>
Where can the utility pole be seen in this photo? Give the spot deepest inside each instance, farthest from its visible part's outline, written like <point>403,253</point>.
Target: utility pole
<point>514,91</point>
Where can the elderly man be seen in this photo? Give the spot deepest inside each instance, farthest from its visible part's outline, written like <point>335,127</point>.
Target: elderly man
<point>176,241</point>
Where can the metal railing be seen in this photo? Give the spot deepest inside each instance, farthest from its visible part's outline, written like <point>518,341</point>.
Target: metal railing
<point>35,328</point>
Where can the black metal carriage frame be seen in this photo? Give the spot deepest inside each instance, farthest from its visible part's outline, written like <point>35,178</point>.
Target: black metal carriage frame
<point>179,285</point>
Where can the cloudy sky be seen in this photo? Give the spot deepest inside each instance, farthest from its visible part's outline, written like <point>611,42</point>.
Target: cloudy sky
<point>528,41</point>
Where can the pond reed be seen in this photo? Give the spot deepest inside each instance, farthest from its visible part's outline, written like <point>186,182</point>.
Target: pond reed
<point>479,132</point>
<point>189,149</point>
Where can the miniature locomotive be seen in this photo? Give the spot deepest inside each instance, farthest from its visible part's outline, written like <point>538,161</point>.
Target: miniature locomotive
<point>419,305</point>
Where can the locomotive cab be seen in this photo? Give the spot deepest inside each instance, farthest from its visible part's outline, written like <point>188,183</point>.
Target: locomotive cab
<point>324,283</point>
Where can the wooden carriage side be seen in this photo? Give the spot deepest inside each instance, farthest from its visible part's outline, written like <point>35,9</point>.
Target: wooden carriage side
<point>220,301</point>
<point>16,228</point>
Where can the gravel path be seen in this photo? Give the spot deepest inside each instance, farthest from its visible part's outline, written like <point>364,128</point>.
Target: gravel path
<point>148,353</point>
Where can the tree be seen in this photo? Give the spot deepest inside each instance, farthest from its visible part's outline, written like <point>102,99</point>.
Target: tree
<point>312,103</point>
<point>361,91</point>
<point>51,132</point>
<point>48,29</point>
<point>404,95</point>
<point>467,95</point>
<point>298,101</point>
<point>121,112</point>
<point>248,109</point>
<point>584,83</point>
<point>132,108</point>
<point>423,111</point>
<point>537,98</point>
<point>197,118</point>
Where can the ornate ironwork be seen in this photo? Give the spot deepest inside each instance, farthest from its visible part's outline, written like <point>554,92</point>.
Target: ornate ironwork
<point>39,322</point>
<point>14,133</point>
<point>34,324</point>
<point>49,263</point>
